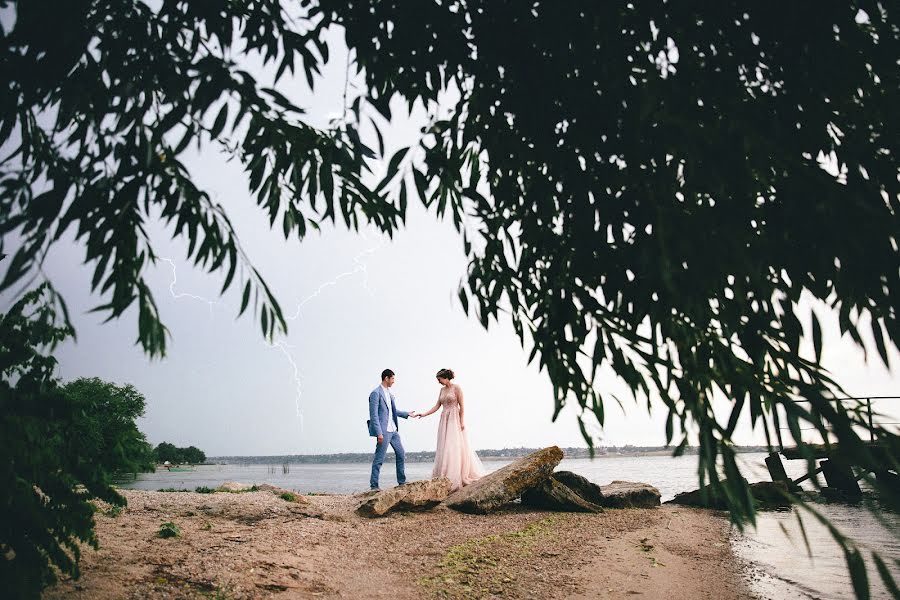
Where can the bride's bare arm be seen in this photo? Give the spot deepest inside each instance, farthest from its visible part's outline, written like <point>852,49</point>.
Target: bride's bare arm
<point>436,406</point>
<point>459,397</point>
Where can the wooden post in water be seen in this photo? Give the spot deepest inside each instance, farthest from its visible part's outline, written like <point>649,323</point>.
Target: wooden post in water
<point>839,476</point>
<point>776,469</point>
<point>871,426</point>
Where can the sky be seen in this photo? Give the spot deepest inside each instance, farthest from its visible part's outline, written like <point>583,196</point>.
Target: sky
<point>357,303</point>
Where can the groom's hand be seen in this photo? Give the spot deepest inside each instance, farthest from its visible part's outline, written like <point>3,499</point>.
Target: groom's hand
<point>380,438</point>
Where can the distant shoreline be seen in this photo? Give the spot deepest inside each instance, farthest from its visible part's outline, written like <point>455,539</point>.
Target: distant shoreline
<point>486,455</point>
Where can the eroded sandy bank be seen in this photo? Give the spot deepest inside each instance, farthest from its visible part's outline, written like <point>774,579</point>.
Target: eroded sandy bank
<point>257,545</point>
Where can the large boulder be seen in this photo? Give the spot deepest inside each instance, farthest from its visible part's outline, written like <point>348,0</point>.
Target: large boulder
<point>415,496</point>
<point>505,485</point>
<point>694,498</point>
<point>550,494</point>
<point>586,490</point>
<point>628,494</point>
<point>770,494</point>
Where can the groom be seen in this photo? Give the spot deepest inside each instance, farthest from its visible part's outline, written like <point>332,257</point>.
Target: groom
<point>383,425</point>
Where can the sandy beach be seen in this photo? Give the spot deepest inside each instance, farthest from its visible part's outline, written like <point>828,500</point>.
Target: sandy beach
<point>257,545</point>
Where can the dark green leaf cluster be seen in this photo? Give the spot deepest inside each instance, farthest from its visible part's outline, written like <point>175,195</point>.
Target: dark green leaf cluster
<point>177,456</point>
<point>654,186</point>
<point>647,186</point>
<point>59,446</point>
<point>100,102</point>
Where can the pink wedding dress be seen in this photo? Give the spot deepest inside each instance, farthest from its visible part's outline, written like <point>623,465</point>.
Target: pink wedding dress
<point>453,458</point>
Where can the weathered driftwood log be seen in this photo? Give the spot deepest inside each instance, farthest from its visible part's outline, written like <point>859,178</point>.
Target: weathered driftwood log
<point>415,496</point>
<point>505,485</point>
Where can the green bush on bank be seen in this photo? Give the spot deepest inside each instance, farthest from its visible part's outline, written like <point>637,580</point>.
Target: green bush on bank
<point>60,446</point>
<point>169,530</point>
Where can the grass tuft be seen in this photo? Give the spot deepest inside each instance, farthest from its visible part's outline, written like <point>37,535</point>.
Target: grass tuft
<point>169,530</point>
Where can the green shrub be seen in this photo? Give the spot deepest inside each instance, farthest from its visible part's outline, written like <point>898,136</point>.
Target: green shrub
<point>205,490</point>
<point>169,530</point>
<point>59,448</point>
<point>289,496</point>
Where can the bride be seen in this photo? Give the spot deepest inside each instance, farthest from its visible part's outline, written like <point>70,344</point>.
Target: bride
<point>453,458</point>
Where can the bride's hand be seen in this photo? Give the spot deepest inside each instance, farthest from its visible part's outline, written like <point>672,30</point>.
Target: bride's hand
<point>414,415</point>
<point>462,426</point>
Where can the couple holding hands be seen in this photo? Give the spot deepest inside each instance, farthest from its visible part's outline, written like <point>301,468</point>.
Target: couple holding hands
<point>453,458</point>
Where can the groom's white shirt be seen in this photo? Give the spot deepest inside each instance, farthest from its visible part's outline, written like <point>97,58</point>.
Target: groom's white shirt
<point>387,400</point>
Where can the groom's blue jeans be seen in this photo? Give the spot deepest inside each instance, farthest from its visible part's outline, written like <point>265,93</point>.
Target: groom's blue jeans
<point>392,438</point>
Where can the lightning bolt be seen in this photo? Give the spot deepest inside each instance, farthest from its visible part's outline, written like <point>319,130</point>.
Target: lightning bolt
<point>359,268</point>
<point>284,347</point>
<point>298,377</point>
<point>178,295</point>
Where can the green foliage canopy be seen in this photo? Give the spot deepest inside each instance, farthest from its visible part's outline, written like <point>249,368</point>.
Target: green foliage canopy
<point>37,495</point>
<point>102,99</point>
<point>59,447</point>
<point>105,425</point>
<point>648,185</point>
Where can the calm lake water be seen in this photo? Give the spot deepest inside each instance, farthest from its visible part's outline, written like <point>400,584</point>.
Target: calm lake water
<point>779,566</point>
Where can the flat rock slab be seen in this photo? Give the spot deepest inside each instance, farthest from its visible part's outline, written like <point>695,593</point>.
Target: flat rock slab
<point>284,494</point>
<point>233,486</point>
<point>584,488</point>
<point>550,494</point>
<point>415,496</point>
<point>505,485</point>
<point>629,494</point>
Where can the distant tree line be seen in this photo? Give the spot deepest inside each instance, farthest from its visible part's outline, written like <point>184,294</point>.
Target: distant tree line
<point>427,456</point>
<point>177,456</point>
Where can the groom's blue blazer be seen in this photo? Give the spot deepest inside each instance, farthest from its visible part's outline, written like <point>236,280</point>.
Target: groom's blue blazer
<point>378,412</point>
